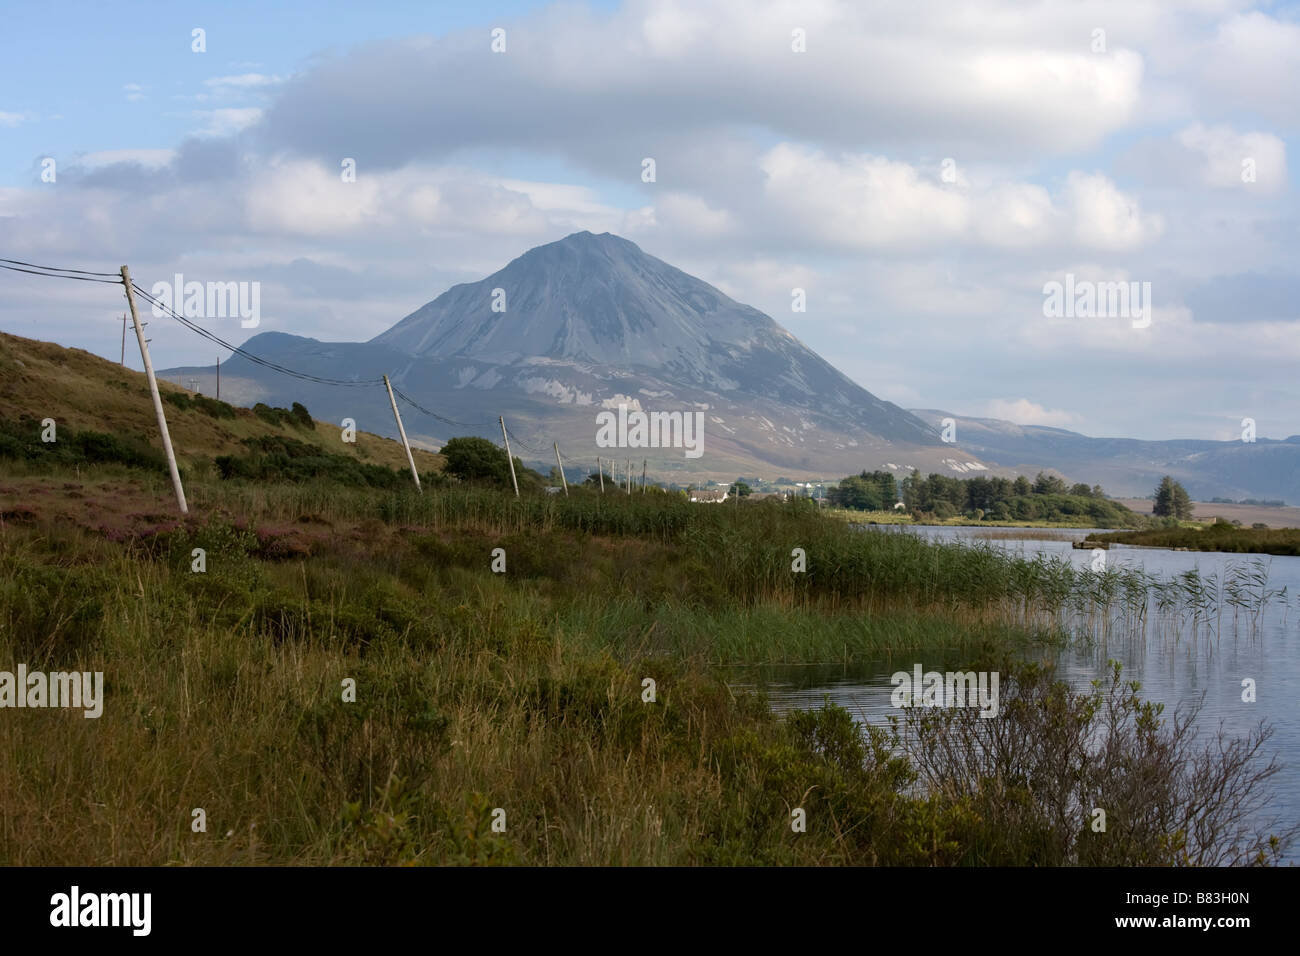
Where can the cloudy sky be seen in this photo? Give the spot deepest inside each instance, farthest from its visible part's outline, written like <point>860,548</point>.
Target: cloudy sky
<point>921,169</point>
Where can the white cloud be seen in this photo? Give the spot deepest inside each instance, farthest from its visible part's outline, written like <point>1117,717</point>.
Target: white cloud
<point>694,216</point>
<point>1221,152</point>
<point>244,81</point>
<point>11,119</point>
<point>151,158</point>
<point>1104,217</point>
<point>224,122</point>
<point>1022,411</point>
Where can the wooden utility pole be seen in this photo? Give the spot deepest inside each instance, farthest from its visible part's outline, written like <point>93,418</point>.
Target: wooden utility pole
<point>509,457</point>
<point>643,464</point>
<point>402,431</point>
<point>157,399</point>
<point>600,470</point>
<point>218,378</point>
<point>560,466</point>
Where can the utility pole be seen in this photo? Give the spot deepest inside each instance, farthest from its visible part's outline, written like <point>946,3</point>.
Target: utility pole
<point>157,399</point>
<point>600,470</point>
<point>509,457</point>
<point>402,431</point>
<point>218,378</point>
<point>561,468</point>
<point>629,476</point>
<point>643,464</point>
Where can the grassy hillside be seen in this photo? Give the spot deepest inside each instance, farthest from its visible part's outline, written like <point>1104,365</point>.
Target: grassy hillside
<point>41,380</point>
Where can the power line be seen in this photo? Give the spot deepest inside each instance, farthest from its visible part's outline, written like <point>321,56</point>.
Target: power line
<point>442,418</point>
<point>56,275</point>
<point>266,363</point>
<point>17,265</point>
<point>19,262</point>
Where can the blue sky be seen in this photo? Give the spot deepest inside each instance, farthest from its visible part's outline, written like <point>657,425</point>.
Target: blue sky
<point>822,170</point>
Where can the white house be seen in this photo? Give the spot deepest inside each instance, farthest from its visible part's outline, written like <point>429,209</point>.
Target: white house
<point>705,494</point>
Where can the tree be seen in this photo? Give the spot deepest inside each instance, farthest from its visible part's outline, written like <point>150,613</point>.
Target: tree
<point>1171,498</point>
<point>476,459</point>
<point>1048,485</point>
<point>857,493</point>
<point>1021,486</point>
<point>741,490</point>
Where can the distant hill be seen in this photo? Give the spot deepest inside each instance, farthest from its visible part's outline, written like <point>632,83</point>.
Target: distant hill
<point>77,389</point>
<point>1266,468</point>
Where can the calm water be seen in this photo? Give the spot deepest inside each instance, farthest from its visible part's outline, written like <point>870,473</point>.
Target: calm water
<point>1174,666</point>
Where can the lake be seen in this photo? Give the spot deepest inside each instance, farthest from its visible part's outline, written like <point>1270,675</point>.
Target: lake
<point>1174,664</point>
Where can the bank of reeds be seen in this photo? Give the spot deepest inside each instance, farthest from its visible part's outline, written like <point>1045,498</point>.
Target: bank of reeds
<point>518,699</point>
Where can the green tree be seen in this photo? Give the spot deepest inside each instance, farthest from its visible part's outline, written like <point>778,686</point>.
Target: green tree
<point>1048,485</point>
<point>476,459</point>
<point>857,493</point>
<point>741,490</point>
<point>1165,505</point>
<point>1182,503</point>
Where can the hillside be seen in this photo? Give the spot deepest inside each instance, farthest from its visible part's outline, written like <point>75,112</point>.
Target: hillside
<point>85,392</point>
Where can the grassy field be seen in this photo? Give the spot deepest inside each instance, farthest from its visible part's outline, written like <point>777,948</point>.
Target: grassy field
<point>1273,517</point>
<point>338,670</point>
<point>522,693</point>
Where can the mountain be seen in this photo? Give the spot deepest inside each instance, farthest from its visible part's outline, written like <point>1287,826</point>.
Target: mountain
<point>582,325</point>
<point>1265,468</point>
<point>590,301</point>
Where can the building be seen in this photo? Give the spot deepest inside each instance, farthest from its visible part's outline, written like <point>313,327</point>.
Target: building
<point>709,495</point>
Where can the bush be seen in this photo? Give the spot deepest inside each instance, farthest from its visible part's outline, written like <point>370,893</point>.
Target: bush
<point>22,440</point>
<point>280,458</point>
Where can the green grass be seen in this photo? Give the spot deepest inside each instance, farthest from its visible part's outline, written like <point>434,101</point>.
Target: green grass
<point>520,691</point>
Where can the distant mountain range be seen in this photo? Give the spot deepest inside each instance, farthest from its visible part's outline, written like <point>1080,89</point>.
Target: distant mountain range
<point>1129,467</point>
<point>584,324</point>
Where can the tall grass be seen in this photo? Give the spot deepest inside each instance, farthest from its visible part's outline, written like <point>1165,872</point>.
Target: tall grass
<point>478,691</point>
